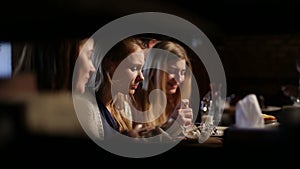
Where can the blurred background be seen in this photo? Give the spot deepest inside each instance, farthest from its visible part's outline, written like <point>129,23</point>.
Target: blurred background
<point>257,41</point>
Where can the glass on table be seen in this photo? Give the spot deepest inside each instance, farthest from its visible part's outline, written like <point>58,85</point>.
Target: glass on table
<point>200,131</point>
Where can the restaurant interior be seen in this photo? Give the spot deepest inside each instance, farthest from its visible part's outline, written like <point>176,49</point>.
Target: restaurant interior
<point>257,42</point>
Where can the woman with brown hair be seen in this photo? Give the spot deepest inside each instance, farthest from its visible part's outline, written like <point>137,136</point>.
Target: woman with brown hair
<point>120,75</point>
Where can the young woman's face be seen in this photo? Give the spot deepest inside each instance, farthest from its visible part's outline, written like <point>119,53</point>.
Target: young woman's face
<point>128,74</point>
<point>85,65</point>
<point>176,74</point>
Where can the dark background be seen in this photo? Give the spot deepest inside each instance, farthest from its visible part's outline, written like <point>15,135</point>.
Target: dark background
<point>257,42</point>
<point>77,17</point>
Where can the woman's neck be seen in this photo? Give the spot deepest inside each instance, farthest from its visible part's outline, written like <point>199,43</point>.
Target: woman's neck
<point>171,99</point>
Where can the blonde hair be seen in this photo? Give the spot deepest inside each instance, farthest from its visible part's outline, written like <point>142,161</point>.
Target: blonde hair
<point>154,78</point>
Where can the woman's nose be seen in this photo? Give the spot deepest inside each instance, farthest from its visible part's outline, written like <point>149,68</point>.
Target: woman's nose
<point>140,77</point>
<point>179,78</point>
<point>92,67</point>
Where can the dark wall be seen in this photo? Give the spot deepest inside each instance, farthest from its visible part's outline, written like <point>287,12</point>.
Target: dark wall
<point>257,41</point>
<point>260,64</point>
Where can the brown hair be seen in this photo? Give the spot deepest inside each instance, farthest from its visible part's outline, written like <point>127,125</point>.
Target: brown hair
<point>108,65</point>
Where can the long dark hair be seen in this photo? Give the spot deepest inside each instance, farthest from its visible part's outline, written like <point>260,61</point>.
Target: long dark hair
<point>51,61</point>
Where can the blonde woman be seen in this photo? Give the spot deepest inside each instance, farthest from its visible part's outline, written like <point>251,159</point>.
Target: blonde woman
<point>164,96</point>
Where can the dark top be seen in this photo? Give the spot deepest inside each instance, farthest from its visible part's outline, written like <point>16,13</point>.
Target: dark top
<point>107,116</point>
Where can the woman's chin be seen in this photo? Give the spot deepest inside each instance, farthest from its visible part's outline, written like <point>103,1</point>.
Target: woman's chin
<point>131,91</point>
<point>171,91</point>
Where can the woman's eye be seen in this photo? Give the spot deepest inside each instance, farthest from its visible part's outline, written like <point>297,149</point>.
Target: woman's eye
<point>134,68</point>
<point>90,54</point>
<point>171,71</point>
<point>183,72</point>
<point>176,71</point>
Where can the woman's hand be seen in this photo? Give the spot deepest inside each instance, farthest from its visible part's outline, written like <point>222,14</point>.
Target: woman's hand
<point>185,113</point>
<point>139,131</point>
<point>135,132</point>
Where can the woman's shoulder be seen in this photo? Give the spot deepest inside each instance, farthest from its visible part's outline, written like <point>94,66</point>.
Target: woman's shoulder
<point>83,96</point>
<point>88,113</point>
<point>86,100</point>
